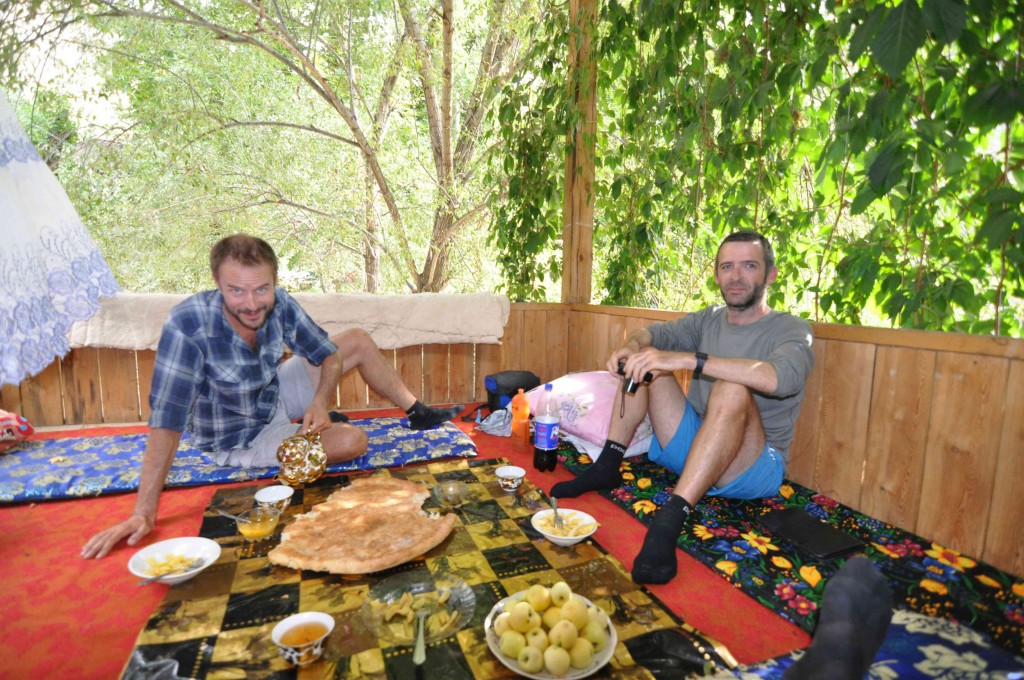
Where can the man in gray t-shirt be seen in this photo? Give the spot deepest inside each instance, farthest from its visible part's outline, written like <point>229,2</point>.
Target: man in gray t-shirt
<point>730,435</point>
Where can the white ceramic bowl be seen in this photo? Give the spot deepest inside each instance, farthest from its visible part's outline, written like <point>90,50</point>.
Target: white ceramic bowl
<point>566,515</point>
<point>191,547</point>
<point>311,648</point>
<point>510,476</point>
<point>277,496</point>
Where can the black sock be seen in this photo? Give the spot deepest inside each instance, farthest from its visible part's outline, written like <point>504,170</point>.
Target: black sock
<point>856,608</point>
<point>603,474</point>
<point>423,417</point>
<point>337,417</point>
<point>656,562</point>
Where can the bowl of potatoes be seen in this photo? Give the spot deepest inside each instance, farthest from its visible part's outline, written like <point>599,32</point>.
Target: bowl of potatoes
<point>175,560</point>
<point>576,526</point>
<point>550,632</point>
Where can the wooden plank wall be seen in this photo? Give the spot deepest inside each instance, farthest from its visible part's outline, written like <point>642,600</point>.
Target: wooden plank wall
<point>922,430</point>
<point>93,386</point>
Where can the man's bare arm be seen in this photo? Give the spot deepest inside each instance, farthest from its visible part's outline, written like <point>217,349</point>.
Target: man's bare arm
<point>635,341</point>
<point>316,417</point>
<point>756,374</point>
<point>156,461</point>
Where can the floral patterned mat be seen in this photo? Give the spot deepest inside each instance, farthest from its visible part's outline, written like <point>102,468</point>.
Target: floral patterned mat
<point>728,537</point>
<point>91,466</point>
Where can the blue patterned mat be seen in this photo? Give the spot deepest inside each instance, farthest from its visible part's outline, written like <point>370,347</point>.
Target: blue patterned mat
<point>91,466</point>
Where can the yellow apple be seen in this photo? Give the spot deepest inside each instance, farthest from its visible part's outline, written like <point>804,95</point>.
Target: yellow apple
<point>531,659</point>
<point>560,593</point>
<point>501,623</point>
<point>595,613</point>
<point>538,638</point>
<point>596,633</point>
<point>511,643</point>
<point>538,597</point>
<point>556,660</point>
<point>576,611</point>
<point>520,617</point>
<point>563,634</point>
<point>552,615</point>
<point>582,653</point>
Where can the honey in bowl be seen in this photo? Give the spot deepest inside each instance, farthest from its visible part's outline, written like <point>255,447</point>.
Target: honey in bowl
<point>303,634</point>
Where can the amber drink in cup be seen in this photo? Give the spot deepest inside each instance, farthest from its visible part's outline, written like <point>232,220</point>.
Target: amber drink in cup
<point>258,523</point>
<point>300,638</point>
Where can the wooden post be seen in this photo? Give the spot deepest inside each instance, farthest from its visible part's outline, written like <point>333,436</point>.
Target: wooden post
<point>578,212</point>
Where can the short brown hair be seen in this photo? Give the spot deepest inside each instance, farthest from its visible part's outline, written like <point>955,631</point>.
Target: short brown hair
<point>750,237</point>
<point>247,250</point>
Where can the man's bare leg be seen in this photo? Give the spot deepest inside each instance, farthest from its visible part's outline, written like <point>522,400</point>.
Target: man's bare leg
<point>361,353</point>
<point>343,442</point>
<point>729,440</point>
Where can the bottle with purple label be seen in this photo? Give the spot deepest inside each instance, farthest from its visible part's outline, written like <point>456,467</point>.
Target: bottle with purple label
<point>545,429</point>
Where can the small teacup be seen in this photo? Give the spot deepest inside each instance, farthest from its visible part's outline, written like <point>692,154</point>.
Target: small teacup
<point>510,476</point>
<point>277,496</point>
<point>300,637</point>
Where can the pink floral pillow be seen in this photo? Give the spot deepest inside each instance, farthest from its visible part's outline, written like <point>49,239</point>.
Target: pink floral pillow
<point>587,400</point>
<point>13,430</point>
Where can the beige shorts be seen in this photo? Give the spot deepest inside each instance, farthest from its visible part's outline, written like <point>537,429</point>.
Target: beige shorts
<point>296,392</point>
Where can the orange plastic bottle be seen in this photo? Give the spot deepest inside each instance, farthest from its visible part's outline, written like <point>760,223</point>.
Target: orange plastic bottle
<point>520,422</point>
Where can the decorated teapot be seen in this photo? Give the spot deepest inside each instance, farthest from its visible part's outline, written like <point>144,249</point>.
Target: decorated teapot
<point>302,459</point>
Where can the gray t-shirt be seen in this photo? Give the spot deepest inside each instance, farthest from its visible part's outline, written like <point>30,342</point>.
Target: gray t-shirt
<point>781,339</point>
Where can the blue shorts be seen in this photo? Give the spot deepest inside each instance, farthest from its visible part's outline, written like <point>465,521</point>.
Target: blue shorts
<point>760,480</point>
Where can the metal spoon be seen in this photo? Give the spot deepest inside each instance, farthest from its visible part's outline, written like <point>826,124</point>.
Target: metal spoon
<point>194,564</point>
<point>228,514</point>
<point>419,654</point>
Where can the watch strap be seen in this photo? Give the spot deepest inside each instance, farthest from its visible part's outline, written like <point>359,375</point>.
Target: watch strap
<point>699,368</point>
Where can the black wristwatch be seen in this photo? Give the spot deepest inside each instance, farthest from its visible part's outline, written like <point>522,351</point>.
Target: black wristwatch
<point>699,368</point>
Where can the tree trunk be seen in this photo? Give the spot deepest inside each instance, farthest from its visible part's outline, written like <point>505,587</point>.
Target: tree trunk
<point>371,250</point>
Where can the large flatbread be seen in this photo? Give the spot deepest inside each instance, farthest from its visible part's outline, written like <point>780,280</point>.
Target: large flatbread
<point>375,523</point>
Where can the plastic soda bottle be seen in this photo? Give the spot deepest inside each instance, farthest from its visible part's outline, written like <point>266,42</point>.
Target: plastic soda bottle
<point>520,422</point>
<point>545,428</point>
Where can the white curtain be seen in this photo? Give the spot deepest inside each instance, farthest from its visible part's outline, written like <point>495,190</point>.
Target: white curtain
<point>51,272</point>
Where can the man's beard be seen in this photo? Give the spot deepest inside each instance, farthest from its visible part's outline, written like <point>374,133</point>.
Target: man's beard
<point>745,303</point>
<point>237,314</point>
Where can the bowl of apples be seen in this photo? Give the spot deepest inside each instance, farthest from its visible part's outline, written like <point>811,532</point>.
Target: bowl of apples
<point>546,633</point>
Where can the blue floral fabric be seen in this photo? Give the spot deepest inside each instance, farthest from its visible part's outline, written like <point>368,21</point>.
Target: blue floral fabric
<point>91,466</point>
<point>51,273</point>
<point>727,536</point>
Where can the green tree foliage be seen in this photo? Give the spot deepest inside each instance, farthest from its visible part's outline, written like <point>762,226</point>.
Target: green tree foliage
<point>348,132</point>
<point>879,144</point>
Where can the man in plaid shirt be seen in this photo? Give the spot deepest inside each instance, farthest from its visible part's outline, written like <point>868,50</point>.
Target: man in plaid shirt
<point>218,374</point>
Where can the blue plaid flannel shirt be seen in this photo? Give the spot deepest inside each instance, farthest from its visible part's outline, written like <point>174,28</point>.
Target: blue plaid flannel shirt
<point>208,380</point>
